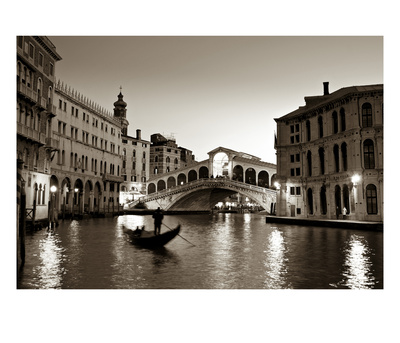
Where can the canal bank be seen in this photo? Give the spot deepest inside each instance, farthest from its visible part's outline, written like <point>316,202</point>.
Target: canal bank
<point>340,223</point>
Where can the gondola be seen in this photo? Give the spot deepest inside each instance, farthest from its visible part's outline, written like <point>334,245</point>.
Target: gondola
<point>147,239</point>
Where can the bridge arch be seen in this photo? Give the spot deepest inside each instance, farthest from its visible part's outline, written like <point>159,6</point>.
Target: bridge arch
<point>160,185</point>
<point>250,176</point>
<point>171,182</point>
<point>192,176</point>
<point>263,179</point>
<point>151,188</point>
<point>203,173</point>
<point>237,173</point>
<point>181,179</point>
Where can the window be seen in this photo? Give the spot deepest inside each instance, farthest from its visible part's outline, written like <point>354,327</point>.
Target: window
<point>321,160</point>
<point>320,127</point>
<point>367,115</point>
<point>335,122</point>
<point>372,203</point>
<point>65,106</point>
<point>369,158</point>
<point>343,119</point>
<point>72,110</point>
<point>297,157</point>
<point>31,50</point>
<point>41,58</point>
<point>20,41</point>
<point>309,162</point>
<point>291,171</point>
<point>308,130</point>
<point>336,157</point>
<point>60,104</point>
<point>51,69</point>
<point>344,155</point>
<point>297,171</point>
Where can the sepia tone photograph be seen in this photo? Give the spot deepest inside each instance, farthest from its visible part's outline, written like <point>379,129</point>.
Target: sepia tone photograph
<point>195,162</point>
<point>228,177</point>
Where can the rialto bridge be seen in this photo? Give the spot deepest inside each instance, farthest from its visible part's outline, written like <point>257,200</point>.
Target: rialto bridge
<point>202,185</point>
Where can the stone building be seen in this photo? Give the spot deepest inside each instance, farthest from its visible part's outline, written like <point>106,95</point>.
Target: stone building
<point>165,156</point>
<point>135,157</point>
<point>330,156</point>
<point>87,166</point>
<point>36,63</point>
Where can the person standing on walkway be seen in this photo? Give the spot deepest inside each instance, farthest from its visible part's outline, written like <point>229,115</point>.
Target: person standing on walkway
<point>158,217</point>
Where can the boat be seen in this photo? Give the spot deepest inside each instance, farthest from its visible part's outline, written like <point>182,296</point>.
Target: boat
<point>148,239</point>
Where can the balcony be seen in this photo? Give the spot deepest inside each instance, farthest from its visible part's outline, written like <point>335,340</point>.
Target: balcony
<point>52,143</point>
<point>26,91</point>
<point>29,133</point>
<point>113,178</point>
<point>42,102</point>
<point>51,110</point>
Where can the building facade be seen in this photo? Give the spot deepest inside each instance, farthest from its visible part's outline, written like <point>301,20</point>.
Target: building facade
<point>330,156</point>
<point>87,166</point>
<point>36,62</point>
<point>165,155</point>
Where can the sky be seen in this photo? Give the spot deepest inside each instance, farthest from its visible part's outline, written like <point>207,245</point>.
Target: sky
<point>211,91</point>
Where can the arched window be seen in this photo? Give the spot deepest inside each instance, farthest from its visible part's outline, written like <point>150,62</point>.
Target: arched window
<point>155,170</point>
<point>134,153</point>
<point>44,195</point>
<point>39,194</point>
<point>124,152</point>
<point>335,122</point>
<point>336,157</point>
<point>321,154</point>
<point>156,159</point>
<point>50,96</point>
<point>309,163</point>
<point>168,160</point>
<point>308,130</point>
<point>343,147</point>
<point>144,154</point>
<point>63,157</point>
<point>342,119</point>
<point>320,127</point>
<point>372,200</point>
<point>369,158</point>
<point>366,115</point>
<point>176,161</point>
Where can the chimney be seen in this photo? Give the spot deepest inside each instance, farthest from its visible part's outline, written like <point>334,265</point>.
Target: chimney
<point>138,134</point>
<point>326,88</point>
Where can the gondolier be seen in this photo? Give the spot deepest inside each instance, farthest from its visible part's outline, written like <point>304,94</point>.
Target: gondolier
<point>158,217</point>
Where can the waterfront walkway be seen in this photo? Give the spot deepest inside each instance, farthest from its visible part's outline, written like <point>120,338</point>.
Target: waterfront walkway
<point>339,223</point>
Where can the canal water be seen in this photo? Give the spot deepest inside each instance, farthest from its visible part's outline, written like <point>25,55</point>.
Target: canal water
<point>226,251</point>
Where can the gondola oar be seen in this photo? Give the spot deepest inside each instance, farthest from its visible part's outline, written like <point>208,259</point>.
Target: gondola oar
<point>179,235</point>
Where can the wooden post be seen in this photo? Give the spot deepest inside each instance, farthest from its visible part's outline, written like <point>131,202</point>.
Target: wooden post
<point>34,213</point>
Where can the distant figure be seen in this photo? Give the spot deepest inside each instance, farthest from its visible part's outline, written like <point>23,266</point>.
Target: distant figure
<point>337,212</point>
<point>158,217</point>
<point>344,211</point>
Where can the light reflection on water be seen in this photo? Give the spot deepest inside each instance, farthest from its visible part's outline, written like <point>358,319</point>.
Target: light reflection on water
<point>357,267</point>
<point>50,271</point>
<point>275,261</point>
<point>231,251</point>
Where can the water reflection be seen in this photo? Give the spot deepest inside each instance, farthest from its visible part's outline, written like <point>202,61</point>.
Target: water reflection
<point>357,264</point>
<point>50,271</point>
<point>275,261</point>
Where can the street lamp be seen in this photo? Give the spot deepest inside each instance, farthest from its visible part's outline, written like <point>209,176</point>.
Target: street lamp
<point>53,190</point>
<point>277,185</point>
<point>355,179</point>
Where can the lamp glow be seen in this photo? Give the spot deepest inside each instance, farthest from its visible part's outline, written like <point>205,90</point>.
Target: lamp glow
<point>53,189</point>
<point>356,178</point>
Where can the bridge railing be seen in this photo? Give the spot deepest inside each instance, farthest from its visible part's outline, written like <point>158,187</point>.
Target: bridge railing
<point>198,183</point>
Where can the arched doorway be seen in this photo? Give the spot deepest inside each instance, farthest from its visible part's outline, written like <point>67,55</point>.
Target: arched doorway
<point>181,179</point>
<point>310,201</point>
<point>87,204</point>
<point>65,194</point>
<point>160,185</point>
<point>220,164</point>
<point>203,173</point>
<point>250,176</point>
<point>77,197</point>
<point>151,188</point>
<point>171,182</point>
<point>237,173</point>
<point>192,176</point>
<point>96,198</point>
<point>54,197</point>
<point>323,200</point>
<point>346,198</point>
<point>263,179</point>
<point>338,200</point>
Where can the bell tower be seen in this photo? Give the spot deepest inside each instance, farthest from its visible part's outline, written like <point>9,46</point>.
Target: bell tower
<point>120,112</point>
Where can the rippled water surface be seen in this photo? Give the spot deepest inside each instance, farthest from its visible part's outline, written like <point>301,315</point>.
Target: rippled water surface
<point>232,251</point>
